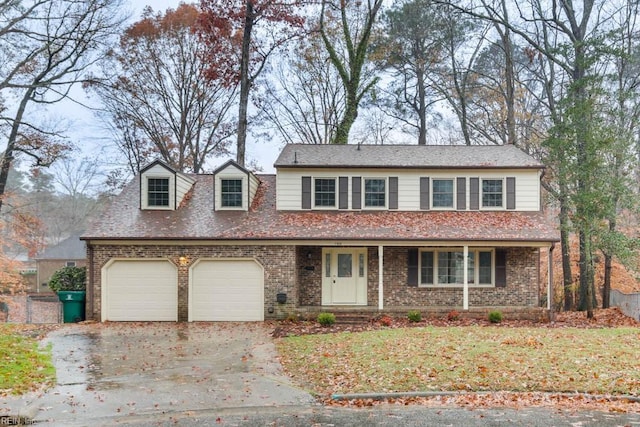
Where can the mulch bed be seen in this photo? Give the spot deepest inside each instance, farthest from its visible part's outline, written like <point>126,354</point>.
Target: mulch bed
<point>603,318</point>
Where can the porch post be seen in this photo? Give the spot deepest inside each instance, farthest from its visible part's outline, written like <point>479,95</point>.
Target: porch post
<point>550,280</point>
<point>465,278</point>
<point>380,282</point>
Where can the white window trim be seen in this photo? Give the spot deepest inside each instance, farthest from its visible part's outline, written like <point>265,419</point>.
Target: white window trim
<point>243,180</point>
<point>335,193</point>
<point>443,208</point>
<point>504,194</point>
<point>364,193</point>
<point>476,271</point>
<point>145,192</point>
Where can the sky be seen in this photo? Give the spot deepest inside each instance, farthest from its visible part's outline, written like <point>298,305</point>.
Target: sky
<point>89,133</point>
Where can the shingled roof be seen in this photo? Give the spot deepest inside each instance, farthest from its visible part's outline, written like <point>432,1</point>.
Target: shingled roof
<point>405,156</point>
<point>196,220</point>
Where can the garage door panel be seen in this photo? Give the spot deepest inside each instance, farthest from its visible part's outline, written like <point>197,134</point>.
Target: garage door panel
<point>227,290</point>
<point>141,291</point>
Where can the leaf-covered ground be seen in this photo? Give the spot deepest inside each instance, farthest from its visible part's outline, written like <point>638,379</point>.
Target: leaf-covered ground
<point>510,364</point>
<point>24,366</point>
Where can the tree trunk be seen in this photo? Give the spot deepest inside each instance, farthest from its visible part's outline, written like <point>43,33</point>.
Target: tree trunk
<point>7,156</point>
<point>245,84</point>
<point>350,115</point>
<point>422,106</point>
<point>567,276</point>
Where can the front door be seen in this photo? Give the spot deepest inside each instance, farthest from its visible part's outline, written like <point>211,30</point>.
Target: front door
<point>344,276</point>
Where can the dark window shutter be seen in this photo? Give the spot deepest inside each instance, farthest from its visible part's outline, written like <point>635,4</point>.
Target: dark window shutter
<point>393,192</point>
<point>424,193</point>
<point>343,192</point>
<point>501,268</point>
<point>306,192</point>
<point>356,195</point>
<point>511,192</point>
<point>461,190</point>
<point>474,194</point>
<point>412,267</point>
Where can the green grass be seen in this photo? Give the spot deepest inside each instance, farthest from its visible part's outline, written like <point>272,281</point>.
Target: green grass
<point>600,361</point>
<point>23,365</point>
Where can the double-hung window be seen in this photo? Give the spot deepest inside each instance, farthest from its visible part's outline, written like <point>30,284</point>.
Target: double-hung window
<point>374,193</point>
<point>442,190</point>
<point>158,192</point>
<point>325,192</point>
<point>492,193</point>
<point>444,267</point>
<point>231,193</point>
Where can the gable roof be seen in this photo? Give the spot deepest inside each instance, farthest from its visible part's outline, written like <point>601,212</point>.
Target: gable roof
<point>405,156</point>
<point>69,249</point>
<point>196,220</point>
<point>160,163</point>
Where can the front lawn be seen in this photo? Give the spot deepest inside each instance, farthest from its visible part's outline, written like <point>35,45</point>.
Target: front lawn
<point>470,358</point>
<point>23,365</point>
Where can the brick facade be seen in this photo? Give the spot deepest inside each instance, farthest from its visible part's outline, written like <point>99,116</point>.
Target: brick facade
<point>298,273</point>
<point>278,263</point>
<point>521,290</point>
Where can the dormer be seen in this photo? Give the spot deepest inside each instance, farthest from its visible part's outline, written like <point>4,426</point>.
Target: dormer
<point>162,188</point>
<point>234,187</point>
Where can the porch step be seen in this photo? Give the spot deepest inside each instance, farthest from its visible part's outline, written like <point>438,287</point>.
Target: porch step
<point>353,318</point>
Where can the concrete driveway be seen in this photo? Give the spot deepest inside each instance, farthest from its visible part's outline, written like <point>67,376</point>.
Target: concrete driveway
<point>108,373</point>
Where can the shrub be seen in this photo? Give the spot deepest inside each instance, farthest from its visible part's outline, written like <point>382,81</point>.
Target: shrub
<point>453,315</point>
<point>69,279</point>
<point>495,316</point>
<point>385,320</point>
<point>414,316</point>
<point>326,319</point>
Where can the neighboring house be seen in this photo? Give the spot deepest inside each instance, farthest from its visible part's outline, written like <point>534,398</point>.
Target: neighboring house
<point>69,252</point>
<point>339,227</point>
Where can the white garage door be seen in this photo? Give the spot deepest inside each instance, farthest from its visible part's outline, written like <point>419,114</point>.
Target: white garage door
<point>140,291</point>
<point>226,290</point>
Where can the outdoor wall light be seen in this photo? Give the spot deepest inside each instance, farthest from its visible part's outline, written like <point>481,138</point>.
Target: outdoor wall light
<point>183,260</point>
<point>309,255</point>
<point>281,298</point>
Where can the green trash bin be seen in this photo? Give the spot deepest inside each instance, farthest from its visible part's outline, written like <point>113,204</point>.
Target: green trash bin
<point>72,305</point>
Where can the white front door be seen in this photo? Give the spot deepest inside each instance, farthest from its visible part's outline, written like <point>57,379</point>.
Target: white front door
<point>344,276</point>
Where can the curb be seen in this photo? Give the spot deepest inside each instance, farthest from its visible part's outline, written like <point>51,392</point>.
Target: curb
<point>400,395</point>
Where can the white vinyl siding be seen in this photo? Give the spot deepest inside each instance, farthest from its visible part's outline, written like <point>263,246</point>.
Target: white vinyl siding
<point>183,185</point>
<point>289,189</point>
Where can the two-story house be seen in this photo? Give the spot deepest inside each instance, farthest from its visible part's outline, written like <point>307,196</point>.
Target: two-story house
<point>339,227</point>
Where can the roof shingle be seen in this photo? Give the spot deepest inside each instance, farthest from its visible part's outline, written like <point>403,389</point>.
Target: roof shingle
<point>196,220</point>
<point>405,156</point>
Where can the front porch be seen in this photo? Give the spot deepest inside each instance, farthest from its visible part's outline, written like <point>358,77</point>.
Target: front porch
<point>379,280</point>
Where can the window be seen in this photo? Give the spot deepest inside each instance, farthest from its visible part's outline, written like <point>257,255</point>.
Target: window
<point>158,191</point>
<point>442,193</point>
<point>70,263</point>
<point>374,193</point>
<point>231,193</point>
<point>446,267</point>
<point>325,192</point>
<point>491,193</point>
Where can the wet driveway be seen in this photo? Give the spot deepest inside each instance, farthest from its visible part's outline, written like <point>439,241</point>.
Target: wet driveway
<point>107,373</point>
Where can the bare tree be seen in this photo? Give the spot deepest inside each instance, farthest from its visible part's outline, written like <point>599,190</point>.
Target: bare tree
<point>349,52</point>
<point>159,101</point>
<point>46,47</point>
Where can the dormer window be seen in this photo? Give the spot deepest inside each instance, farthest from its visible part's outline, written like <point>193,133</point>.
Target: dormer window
<point>158,192</point>
<point>231,193</point>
